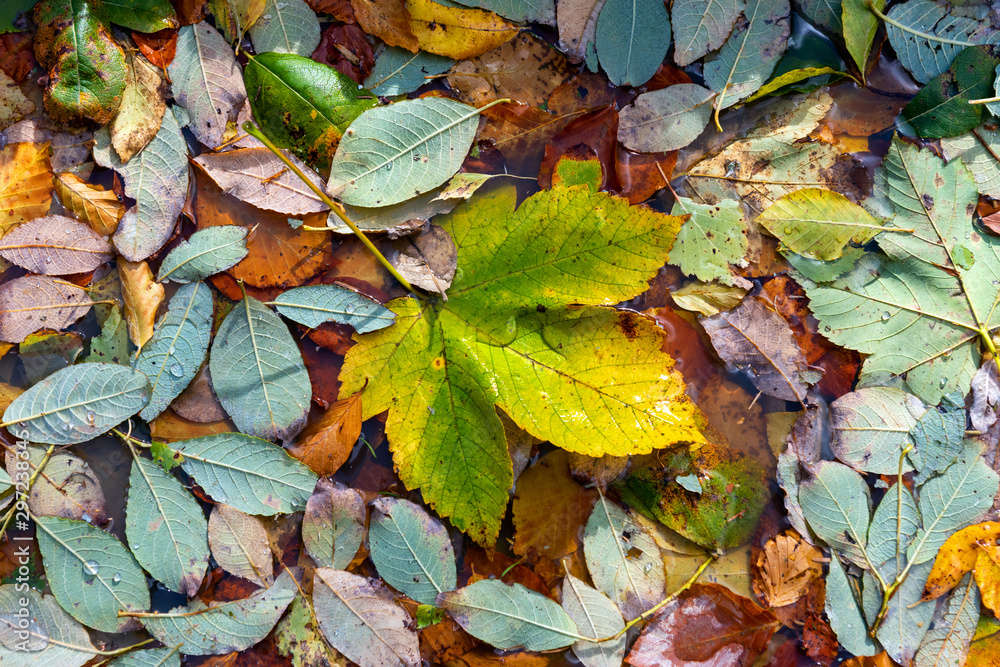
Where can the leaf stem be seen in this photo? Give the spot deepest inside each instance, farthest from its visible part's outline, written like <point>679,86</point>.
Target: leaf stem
<point>256,133</point>
<point>23,498</point>
<point>985,100</point>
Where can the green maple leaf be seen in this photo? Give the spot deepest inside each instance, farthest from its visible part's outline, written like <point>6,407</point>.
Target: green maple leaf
<point>923,311</point>
<point>527,327</point>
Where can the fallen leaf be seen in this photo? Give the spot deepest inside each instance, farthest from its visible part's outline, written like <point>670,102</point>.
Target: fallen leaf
<point>787,567</point>
<point>39,302</point>
<point>141,111</point>
<point>957,556</point>
<point>388,20</point>
<point>325,444</point>
<point>55,245</point>
<point>259,177</point>
<point>345,47</point>
<point>25,184</point>
<point>13,104</point>
<point>159,47</point>
<point>68,488</point>
<point>92,204</point>
<point>239,545</point>
<point>68,150</point>
<point>987,574</point>
<point>455,31</point>
<point>16,58</point>
<point>428,260</point>
<point>171,427</point>
<point>142,297</point>
<point>198,402</point>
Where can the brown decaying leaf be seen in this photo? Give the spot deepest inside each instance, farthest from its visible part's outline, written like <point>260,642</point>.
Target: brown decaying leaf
<point>428,260</point>
<point>159,47</point>
<point>388,20</point>
<point>445,641</point>
<point>142,297</point>
<point>707,624</point>
<point>68,488</point>
<point>67,150</point>
<point>39,302</point>
<point>141,112</point>
<point>16,56</point>
<point>277,254</point>
<point>880,660</point>
<point>577,21</point>
<point>171,427</point>
<point>259,177</point>
<point>787,566</point>
<point>550,508</point>
<point>957,556</point>
<point>55,245</point>
<point>190,12</point>
<point>345,47</point>
<point>480,564</point>
<point>198,402</point>
<point>597,472</point>
<point>92,204</point>
<point>13,104</point>
<point>325,444</point>
<point>339,9</point>
<point>754,338</point>
<point>239,545</point>
<point>25,184</point>
<point>525,69</point>
<point>489,658</point>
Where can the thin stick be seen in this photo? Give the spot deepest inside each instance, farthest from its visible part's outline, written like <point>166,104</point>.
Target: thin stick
<point>255,132</point>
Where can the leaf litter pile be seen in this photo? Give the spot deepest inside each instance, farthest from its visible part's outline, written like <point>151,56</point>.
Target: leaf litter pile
<point>496,332</point>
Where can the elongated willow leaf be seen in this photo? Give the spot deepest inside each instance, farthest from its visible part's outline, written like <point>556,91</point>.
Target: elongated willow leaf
<point>77,403</point>
<point>91,574</point>
<point>224,627</point>
<point>411,549</point>
<point>333,526</point>
<point>206,253</point>
<point>837,505</point>
<point>845,614</point>
<point>908,617</point>
<point>55,245</point>
<point>398,72</point>
<point>166,528</point>
<point>748,57</point>
<point>701,26</point>
<point>53,638</point>
<point>895,523</point>
<point>247,473</point>
<point>172,357</point>
<point>596,616</point>
<point>632,39</point>
<point>947,643</point>
<point>313,305</point>
<point>153,657</point>
<point>390,154</point>
<point>361,619</point>
<point>510,616</point>
<point>258,373</point>
<point>39,302</point>
<point>286,26</point>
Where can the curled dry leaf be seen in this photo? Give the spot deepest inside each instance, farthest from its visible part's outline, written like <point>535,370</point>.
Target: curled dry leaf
<point>99,208</point>
<point>787,567</point>
<point>39,302</point>
<point>326,443</point>
<point>259,177</point>
<point>55,246</point>
<point>142,297</point>
<point>428,260</point>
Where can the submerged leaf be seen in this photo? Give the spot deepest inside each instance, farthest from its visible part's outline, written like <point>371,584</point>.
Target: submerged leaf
<point>50,635</point>
<point>313,305</point>
<point>207,252</point>
<point>333,526</point>
<point>632,39</point>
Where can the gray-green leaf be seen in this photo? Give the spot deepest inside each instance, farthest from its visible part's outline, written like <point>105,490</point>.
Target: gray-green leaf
<point>979,156</point>
<point>665,119</point>
<point>398,72</point>
<point>286,26</point>
<point>151,657</point>
<point>333,526</point>
<point>157,179</point>
<point>845,613</point>
<point>206,81</point>
<point>938,437</point>
<point>746,60</point>
<point>596,616</point>
<point>224,627</point>
<point>391,154</point>
<point>632,38</point>
<point>947,643</point>
<point>178,347</point>
<point>510,616</point>
<point>411,549</point>
<point>524,11</point>
<point>78,403</point>
<point>258,373</point>
<point>91,574</point>
<point>908,619</point>
<point>166,528</point>
<point>701,26</point>
<point>313,305</point>
<point>711,241</point>
<point>897,512</point>
<point>54,638</point>
<point>836,504</point>
<point>206,253</point>
<point>253,475</point>
<point>623,559</point>
<point>871,427</point>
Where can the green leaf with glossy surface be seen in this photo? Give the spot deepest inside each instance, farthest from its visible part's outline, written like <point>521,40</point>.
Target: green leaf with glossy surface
<point>632,39</point>
<point>172,357</point>
<point>138,15</point>
<point>206,81</point>
<point>286,26</point>
<point>258,373</point>
<point>398,72</point>
<point>157,179</point>
<point>623,559</point>
<point>927,36</point>
<point>313,305</point>
<point>701,26</point>
<point>941,108</point>
<point>510,616</point>
<point>252,475</point>
<point>390,154</point>
<point>711,241</point>
<point>746,60</point>
<point>836,504</point>
<point>227,626</point>
<point>166,528</point>
<point>303,105</point>
<point>78,403</point>
<point>870,428</point>
<point>666,119</point>
<point>86,67</point>
<point>505,337</point>
<point>411,549</point>
<point>844,612</point>
<point>91,574</point>
<point>595,616</point>
<point>53,638</point>
<point>947,643</point>
<point>205,253</point>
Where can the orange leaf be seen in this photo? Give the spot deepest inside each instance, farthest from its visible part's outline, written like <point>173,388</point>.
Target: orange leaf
<point>388,20</point>
<point>456,32</point>
<point>325,444</point>
<point>92,204</point>
<point>170,427</point>
<point>142,297</point>
<point>25,184</point>
<point>988,575</point>
<point>787,566</point>
<point>159,47</point>
<point>957,556</point>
